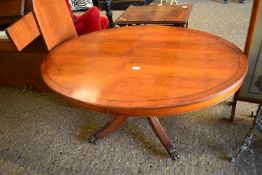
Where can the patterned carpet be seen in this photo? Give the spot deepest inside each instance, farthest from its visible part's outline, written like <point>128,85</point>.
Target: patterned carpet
<point>40,134</point>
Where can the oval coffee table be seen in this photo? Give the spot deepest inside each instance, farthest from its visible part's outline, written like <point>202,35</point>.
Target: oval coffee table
<point>145,71</point>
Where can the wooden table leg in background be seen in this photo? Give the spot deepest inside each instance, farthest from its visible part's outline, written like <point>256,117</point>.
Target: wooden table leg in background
<point>161,134</point>
<point>108,128</point>
<point>233,110</point>
<point>107,6</point>
<point>109,14</point>
<point>234,105</point>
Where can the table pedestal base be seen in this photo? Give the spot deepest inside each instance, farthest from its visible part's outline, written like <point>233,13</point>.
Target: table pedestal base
<point>155,124</point>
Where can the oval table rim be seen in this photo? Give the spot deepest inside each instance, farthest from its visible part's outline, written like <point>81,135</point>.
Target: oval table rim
<point>171,105</point>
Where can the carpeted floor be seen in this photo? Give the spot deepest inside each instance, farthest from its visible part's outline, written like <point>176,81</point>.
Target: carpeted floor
<point>40,134</point>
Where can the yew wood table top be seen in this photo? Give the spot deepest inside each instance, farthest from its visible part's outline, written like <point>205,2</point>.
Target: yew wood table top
<point>145,70</point>
<point>156,14</point>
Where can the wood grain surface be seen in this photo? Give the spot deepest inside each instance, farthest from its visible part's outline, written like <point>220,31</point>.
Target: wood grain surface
<point>155,14</point>
<point>54,21</point>
<point>145,70</point>
<point>23,32</point>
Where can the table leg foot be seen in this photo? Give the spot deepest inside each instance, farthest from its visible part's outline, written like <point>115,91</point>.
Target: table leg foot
<point>173,154</point>
<point>109,14</point>
<point>93,140</point>
<point>161,134</point>
<point>107,129</point>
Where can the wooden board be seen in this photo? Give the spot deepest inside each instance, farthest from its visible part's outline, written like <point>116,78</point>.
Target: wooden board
<point>54,21</point>
<point>23,32</point>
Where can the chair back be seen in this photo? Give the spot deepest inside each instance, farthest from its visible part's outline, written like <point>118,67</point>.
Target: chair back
<point>54,21</point>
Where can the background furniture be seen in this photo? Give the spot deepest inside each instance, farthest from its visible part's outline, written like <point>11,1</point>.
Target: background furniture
<point>251,90</point>
<point>124,4</point>
<point>107,6</point>
<point>19,69</point>
<point>12,10</point>
<point>117,5</point>
<point>175,15</point>
<point>145,71</point>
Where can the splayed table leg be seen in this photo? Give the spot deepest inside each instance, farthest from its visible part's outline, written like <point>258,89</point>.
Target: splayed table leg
<point>161,134</point>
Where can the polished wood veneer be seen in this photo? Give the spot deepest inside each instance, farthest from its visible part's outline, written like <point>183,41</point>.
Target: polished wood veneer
<point>144,71</point>
<point>178,68</point>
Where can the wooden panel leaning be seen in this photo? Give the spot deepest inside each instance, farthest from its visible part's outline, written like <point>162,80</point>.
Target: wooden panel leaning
<point>54,21</point>
<point>23,32</point>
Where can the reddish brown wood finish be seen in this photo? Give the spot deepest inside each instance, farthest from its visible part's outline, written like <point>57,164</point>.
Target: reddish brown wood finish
<point>13,10</point>
<point>20,69</point>
<point>54,21</point>
<point>181,70</point>
<point>252,24</point>
<point>155,14</point>
<point>161,134</point>
<point>23,32</point>
<point>7,45</point>
<point>108,128</point>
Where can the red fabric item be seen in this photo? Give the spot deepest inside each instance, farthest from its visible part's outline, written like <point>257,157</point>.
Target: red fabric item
<point>90,21</point>
<point>104,22</point>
